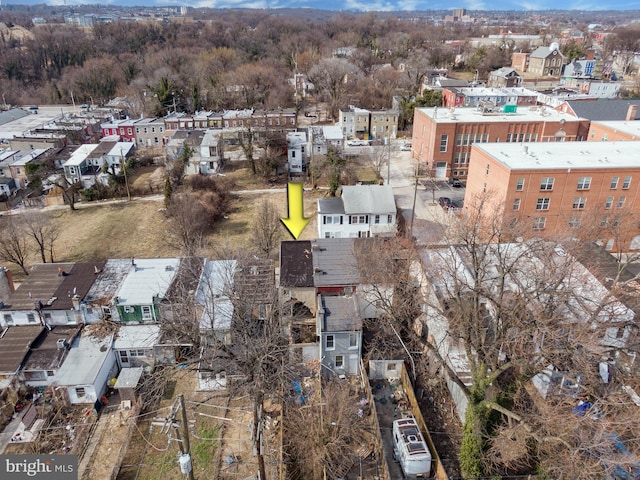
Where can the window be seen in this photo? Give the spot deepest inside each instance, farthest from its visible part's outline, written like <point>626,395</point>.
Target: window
<point>520,185</point>
<point>614,182</point>
<point>584,183</point>
<point>128,309</point>
<point>604,221</point>
<point>50,373</point>
<point>31,318</point>
<point>539,223</point>
<point>80,392</point>
<point>574,222</point>
<point>508,138</point>
<point>609,202</point>
<point>459,140</point>
<point>516,204</point>
<point>377,219</point>
<point>546,183</point>
<point>358,219</point>
<point>8,319</point>
<point>339,361</point>
<point>329,343</point>
<point>146,312</point>
<point>579,203</point>
<point>353,340</point>
<point>543,204</point>
<point>621,202</point>
<point>626,183</point>
<point>443,143</point>
<point>391,367</point>
<point>389,218</point>
<point>487,169</point>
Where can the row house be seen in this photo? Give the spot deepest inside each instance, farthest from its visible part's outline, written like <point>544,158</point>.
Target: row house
<point>442,139</point>
<point>324,302</point>
<point>555,188</point>
<point>365,124</point>
<point>150,132</point>
<point>361,211</point>
<point>476,96</point>
<point>505,77</point>
<point>297,152</point>
<point>91,163</point>
<point>123,129</point>
<point>41,141</point>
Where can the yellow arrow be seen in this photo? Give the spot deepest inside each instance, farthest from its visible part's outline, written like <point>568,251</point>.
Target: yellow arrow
<point>296,221</point>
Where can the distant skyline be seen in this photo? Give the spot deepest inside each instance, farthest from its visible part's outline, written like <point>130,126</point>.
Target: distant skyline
<point>360,5</point>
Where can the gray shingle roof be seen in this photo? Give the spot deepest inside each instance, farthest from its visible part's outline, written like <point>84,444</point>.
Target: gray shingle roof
<point>372,199</point>
<point>335,262</point>
<point>603,109</point>
<point>341,314</point>
<point>330,205</point>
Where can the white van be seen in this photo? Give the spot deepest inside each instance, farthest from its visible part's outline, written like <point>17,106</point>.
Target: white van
<point>410,449</point>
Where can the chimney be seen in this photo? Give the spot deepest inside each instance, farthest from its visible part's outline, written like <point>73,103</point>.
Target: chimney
<point>632,112</point>
<point>75,301</point>
<point>59,271</point>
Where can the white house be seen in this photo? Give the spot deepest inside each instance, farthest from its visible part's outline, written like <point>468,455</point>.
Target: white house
<point>79,168</point>
<point>90,364</point>
<point>362,211</point>
<point>134,345</point>
<point>297,151</point>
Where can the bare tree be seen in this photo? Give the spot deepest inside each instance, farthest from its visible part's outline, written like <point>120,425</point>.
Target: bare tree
<point>521,310</point>
<point>14,242</point>
<point>266,228</point>
<point>43,231</point>
<point>323,432</point>
<point>189,221</point>
<point>332,77</point>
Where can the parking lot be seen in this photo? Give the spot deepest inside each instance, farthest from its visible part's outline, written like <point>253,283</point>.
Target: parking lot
<point>441,188</point>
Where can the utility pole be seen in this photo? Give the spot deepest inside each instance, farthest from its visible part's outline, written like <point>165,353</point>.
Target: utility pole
<point>389,161</point>
<point>183,443</point>
<point>126,180</point>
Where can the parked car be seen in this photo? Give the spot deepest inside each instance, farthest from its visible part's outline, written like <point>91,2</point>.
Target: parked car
<point>406,147</point>
<point>455,182</point>
<point>445,202</point>
<point>356,143</point>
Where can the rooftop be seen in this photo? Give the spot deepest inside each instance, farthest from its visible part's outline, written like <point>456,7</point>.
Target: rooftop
<point>14,346</point>
<point>108,281</point>
<point>76,282</point>
<point>330,205</point>
<point>334,262</point>
<point>80,155</point>
<point>296,264</point>
<point>86,356</point>
<point>603,109</point>
<point>46,354</point>
<point>136,336</point>
<point>374,199</point>
<point>147,277</point>
<point>474,115</point>
<point>564,155</point>
<point>631,128</point>
<point>341,313</point>
<point>40,285</point>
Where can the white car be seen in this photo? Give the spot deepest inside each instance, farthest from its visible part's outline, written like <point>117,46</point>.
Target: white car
<point>406,147</point>
<point>356,143</point>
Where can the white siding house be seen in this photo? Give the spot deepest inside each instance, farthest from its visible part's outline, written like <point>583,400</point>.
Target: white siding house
<point>90,364</point>
<point>362,211</point>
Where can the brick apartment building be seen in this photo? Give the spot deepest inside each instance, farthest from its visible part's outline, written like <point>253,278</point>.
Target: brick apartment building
<point>442,139</point>
<point>552,189</point>
<point>617,131</point>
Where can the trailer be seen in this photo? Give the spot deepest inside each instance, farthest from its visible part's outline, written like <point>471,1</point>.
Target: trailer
<point>410,449</point>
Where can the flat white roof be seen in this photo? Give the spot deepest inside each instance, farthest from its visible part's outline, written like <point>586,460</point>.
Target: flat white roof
<point>26,158</point>
<point>631,127</point>
<point>121,148</point>
<point>550,155</point>
<point>86,356</point>
<point>80,155</point>
<point>136,336</point>
<point>472,114</point>
<point>128,378</point>
<point>149,277</point>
